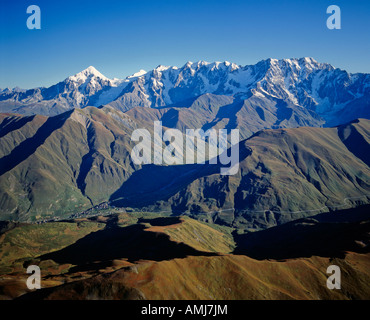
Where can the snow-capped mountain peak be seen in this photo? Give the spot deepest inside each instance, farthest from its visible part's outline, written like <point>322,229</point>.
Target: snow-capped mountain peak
<point>161,68</point>
<point>319,87</point>
<point>137,74</point>
<point>86,74</point>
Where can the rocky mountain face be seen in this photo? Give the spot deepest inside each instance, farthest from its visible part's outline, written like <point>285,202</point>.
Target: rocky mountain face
<point>275,93</point>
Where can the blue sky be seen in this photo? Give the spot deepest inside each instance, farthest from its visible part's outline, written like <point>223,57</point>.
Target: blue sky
<point>121,37</point>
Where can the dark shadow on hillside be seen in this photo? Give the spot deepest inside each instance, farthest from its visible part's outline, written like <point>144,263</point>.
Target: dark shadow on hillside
<point>11,124</point>
<point>87,161</point>
<point>6,226</point>
<point>165,221</point>
<point>228,112</point>
<point>132,242</point>
<point>355,142</point>
<point>170,118</point>
<point>283,112</point>
<point>29,146</point>
<point>155,183</point>
<point>326,235</point>
<point>182,104</point>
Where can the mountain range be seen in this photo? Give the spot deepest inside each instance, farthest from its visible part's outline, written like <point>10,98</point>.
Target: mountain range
<point>56,166</point>
<point>115,229</point>
<point>66,148</point>
<point>270,94</point>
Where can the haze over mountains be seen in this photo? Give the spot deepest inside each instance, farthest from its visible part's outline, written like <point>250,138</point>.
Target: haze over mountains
<point>271,93</point>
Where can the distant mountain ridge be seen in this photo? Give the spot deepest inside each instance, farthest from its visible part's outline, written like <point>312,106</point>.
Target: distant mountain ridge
<point>314,93</point>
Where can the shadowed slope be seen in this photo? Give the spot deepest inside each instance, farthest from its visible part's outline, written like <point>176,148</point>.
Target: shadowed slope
<point>13,123</point>
<point>327,235</point>
<point>132,242</point>
<point>356,138</point>
<point>159,183</point>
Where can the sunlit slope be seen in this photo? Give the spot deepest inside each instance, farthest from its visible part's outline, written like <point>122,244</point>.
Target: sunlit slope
<point>26,242</point>
<point>301,172</point>
<point>284,174</point>
<point>223,277</point>
<point>198,235</point>
<point>55,166</point>
<point>63,164</point>
<point>239,277</point>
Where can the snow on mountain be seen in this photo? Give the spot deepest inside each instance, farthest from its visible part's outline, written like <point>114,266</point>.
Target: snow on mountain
<point>88,73</point>
<point>77,91</point>
<point>318,87</point>
<point>277,78</point>
<point>137,74</point>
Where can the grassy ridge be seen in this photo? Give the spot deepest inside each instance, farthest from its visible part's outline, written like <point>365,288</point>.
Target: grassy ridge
<point>201,236</point>
<point>143,256</point>
<point>29,241</point>
<point>239,277</point>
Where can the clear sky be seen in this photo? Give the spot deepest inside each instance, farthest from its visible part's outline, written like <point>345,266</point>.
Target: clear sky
<point>121,37</point>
